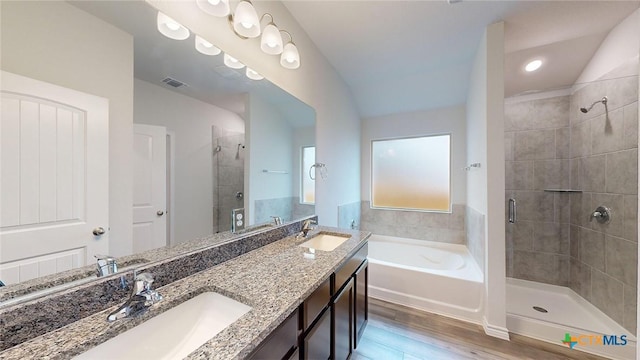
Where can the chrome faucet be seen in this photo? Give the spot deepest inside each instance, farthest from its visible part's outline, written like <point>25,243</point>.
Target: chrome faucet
<point>142,297</point>
<point>107,265</point>
<point>277,220</point>
<point>307,226</point>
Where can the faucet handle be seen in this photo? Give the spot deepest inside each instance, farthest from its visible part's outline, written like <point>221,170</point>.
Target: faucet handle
<point>106,264</point>
<point>143,281</point>
<point>142,286</point>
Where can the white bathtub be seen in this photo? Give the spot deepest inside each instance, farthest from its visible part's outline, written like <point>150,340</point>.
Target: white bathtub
<point>431,276</point>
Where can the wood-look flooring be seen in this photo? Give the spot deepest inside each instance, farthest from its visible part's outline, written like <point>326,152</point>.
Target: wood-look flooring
<point>395,332</point>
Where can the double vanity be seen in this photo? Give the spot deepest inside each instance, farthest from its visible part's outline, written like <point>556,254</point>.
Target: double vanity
<point>269,294</point>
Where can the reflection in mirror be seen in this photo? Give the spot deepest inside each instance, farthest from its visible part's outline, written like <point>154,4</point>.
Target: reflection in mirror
<point>204,134</point>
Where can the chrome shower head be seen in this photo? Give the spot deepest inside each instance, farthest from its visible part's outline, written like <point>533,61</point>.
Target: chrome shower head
<point>603,101</point>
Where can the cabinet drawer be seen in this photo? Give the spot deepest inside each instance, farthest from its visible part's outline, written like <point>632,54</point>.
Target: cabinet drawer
<point>349,267</point>
<point>281,342</point>
<point>315,303</point>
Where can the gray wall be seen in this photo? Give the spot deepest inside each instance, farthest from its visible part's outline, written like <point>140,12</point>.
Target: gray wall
<point>604,164</point>
<point>433,226</point>
<point>551,144</point>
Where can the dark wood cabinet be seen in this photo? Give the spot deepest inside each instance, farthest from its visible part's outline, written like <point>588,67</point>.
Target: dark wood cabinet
<point>360,302</point>
<point>327,325</point>
<point>343,322</point>
<point>281,343</point>
<point>317,342</point>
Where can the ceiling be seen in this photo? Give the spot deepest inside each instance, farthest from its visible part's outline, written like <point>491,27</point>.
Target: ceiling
<point>395,56</point>
<point>402,56</point>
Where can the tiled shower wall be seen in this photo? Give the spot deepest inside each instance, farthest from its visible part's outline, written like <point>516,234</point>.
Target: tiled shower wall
<point>604,165</point>
<point>433,226</point>
<point>228,176</point>
<point>550,144</point>
<point>537,158</point>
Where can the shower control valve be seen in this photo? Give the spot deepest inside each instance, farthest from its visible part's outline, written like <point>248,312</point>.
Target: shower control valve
<point>602,214</point>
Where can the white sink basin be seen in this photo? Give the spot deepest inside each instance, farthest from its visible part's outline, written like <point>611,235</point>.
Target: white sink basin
<point>175,333</point>
<point>325,242</point>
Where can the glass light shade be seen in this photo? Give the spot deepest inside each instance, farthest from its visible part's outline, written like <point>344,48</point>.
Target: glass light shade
<point>290,57</point>
<point>245,20</point>
<point>171,28</point>
<point>253,75</point>
<point>205,47</point>
<point>232,62</point>
<point>214,7</point>
<point>271,41</point>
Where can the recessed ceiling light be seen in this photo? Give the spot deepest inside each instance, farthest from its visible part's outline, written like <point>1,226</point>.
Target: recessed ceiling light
<point>533,66</point>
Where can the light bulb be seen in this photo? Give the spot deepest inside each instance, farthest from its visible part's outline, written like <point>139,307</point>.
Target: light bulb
<point>171,28</point>
<point>253,75</point>
<point>205,47</point>
<point>232,62</point>
<point>290,58</point>
<point>245,20</point>
<point>214,7</point>
<point>533,66</point>
<point>271,41</point>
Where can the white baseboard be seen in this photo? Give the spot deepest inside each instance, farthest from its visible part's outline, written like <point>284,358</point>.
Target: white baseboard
<point>495,331</point>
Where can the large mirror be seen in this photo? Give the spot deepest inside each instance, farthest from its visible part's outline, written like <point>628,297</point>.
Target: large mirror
<point>207,140</point>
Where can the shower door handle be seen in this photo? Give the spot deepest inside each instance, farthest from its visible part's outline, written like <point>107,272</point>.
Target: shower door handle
<point>512,211</point>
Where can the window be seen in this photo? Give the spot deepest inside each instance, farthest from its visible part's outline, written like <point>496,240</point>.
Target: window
<point>411,173</point>
<point>308,186</point>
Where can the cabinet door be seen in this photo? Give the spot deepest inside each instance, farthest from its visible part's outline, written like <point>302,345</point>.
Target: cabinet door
<point>361,302</point>
<point>317,343</point>
<point>281,343</point>
<point>343,320</point>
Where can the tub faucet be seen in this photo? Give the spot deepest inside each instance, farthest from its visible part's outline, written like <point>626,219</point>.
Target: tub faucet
<point>107,265</point>
<point>307,226</point>
<point>142,297</point>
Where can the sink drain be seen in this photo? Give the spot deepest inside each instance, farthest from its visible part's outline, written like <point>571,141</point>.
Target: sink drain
<point>540,309</point>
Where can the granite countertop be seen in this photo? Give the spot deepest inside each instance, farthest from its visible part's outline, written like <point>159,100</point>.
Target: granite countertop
<point>273,280</point>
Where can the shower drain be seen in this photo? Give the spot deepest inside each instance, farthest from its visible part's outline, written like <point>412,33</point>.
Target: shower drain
<point>541,309</point>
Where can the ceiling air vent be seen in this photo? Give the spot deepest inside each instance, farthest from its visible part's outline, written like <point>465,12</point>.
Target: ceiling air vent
<point>173,82</point>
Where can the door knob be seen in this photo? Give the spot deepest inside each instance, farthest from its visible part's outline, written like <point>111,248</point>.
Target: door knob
<point>98,231</point>
<point>160,213</point>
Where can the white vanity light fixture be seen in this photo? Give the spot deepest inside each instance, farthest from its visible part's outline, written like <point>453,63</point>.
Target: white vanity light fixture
<point>271,40</point>
<point>253,75</point>
<point>245,21</point>
<point>533,65</point>
<point>232,62</point>
<point>205,47</point>
<point>218,8</point>
<point>171,28</point>
<point>290,57</point>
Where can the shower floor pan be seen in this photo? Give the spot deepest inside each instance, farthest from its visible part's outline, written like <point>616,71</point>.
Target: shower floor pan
<point>567,312</point>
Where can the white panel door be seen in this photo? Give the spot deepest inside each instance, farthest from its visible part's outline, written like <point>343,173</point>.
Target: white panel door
<point>54,178</point>
<point>149,187</point>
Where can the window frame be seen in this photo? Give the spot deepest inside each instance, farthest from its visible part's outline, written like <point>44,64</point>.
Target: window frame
<point>371,159</point>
